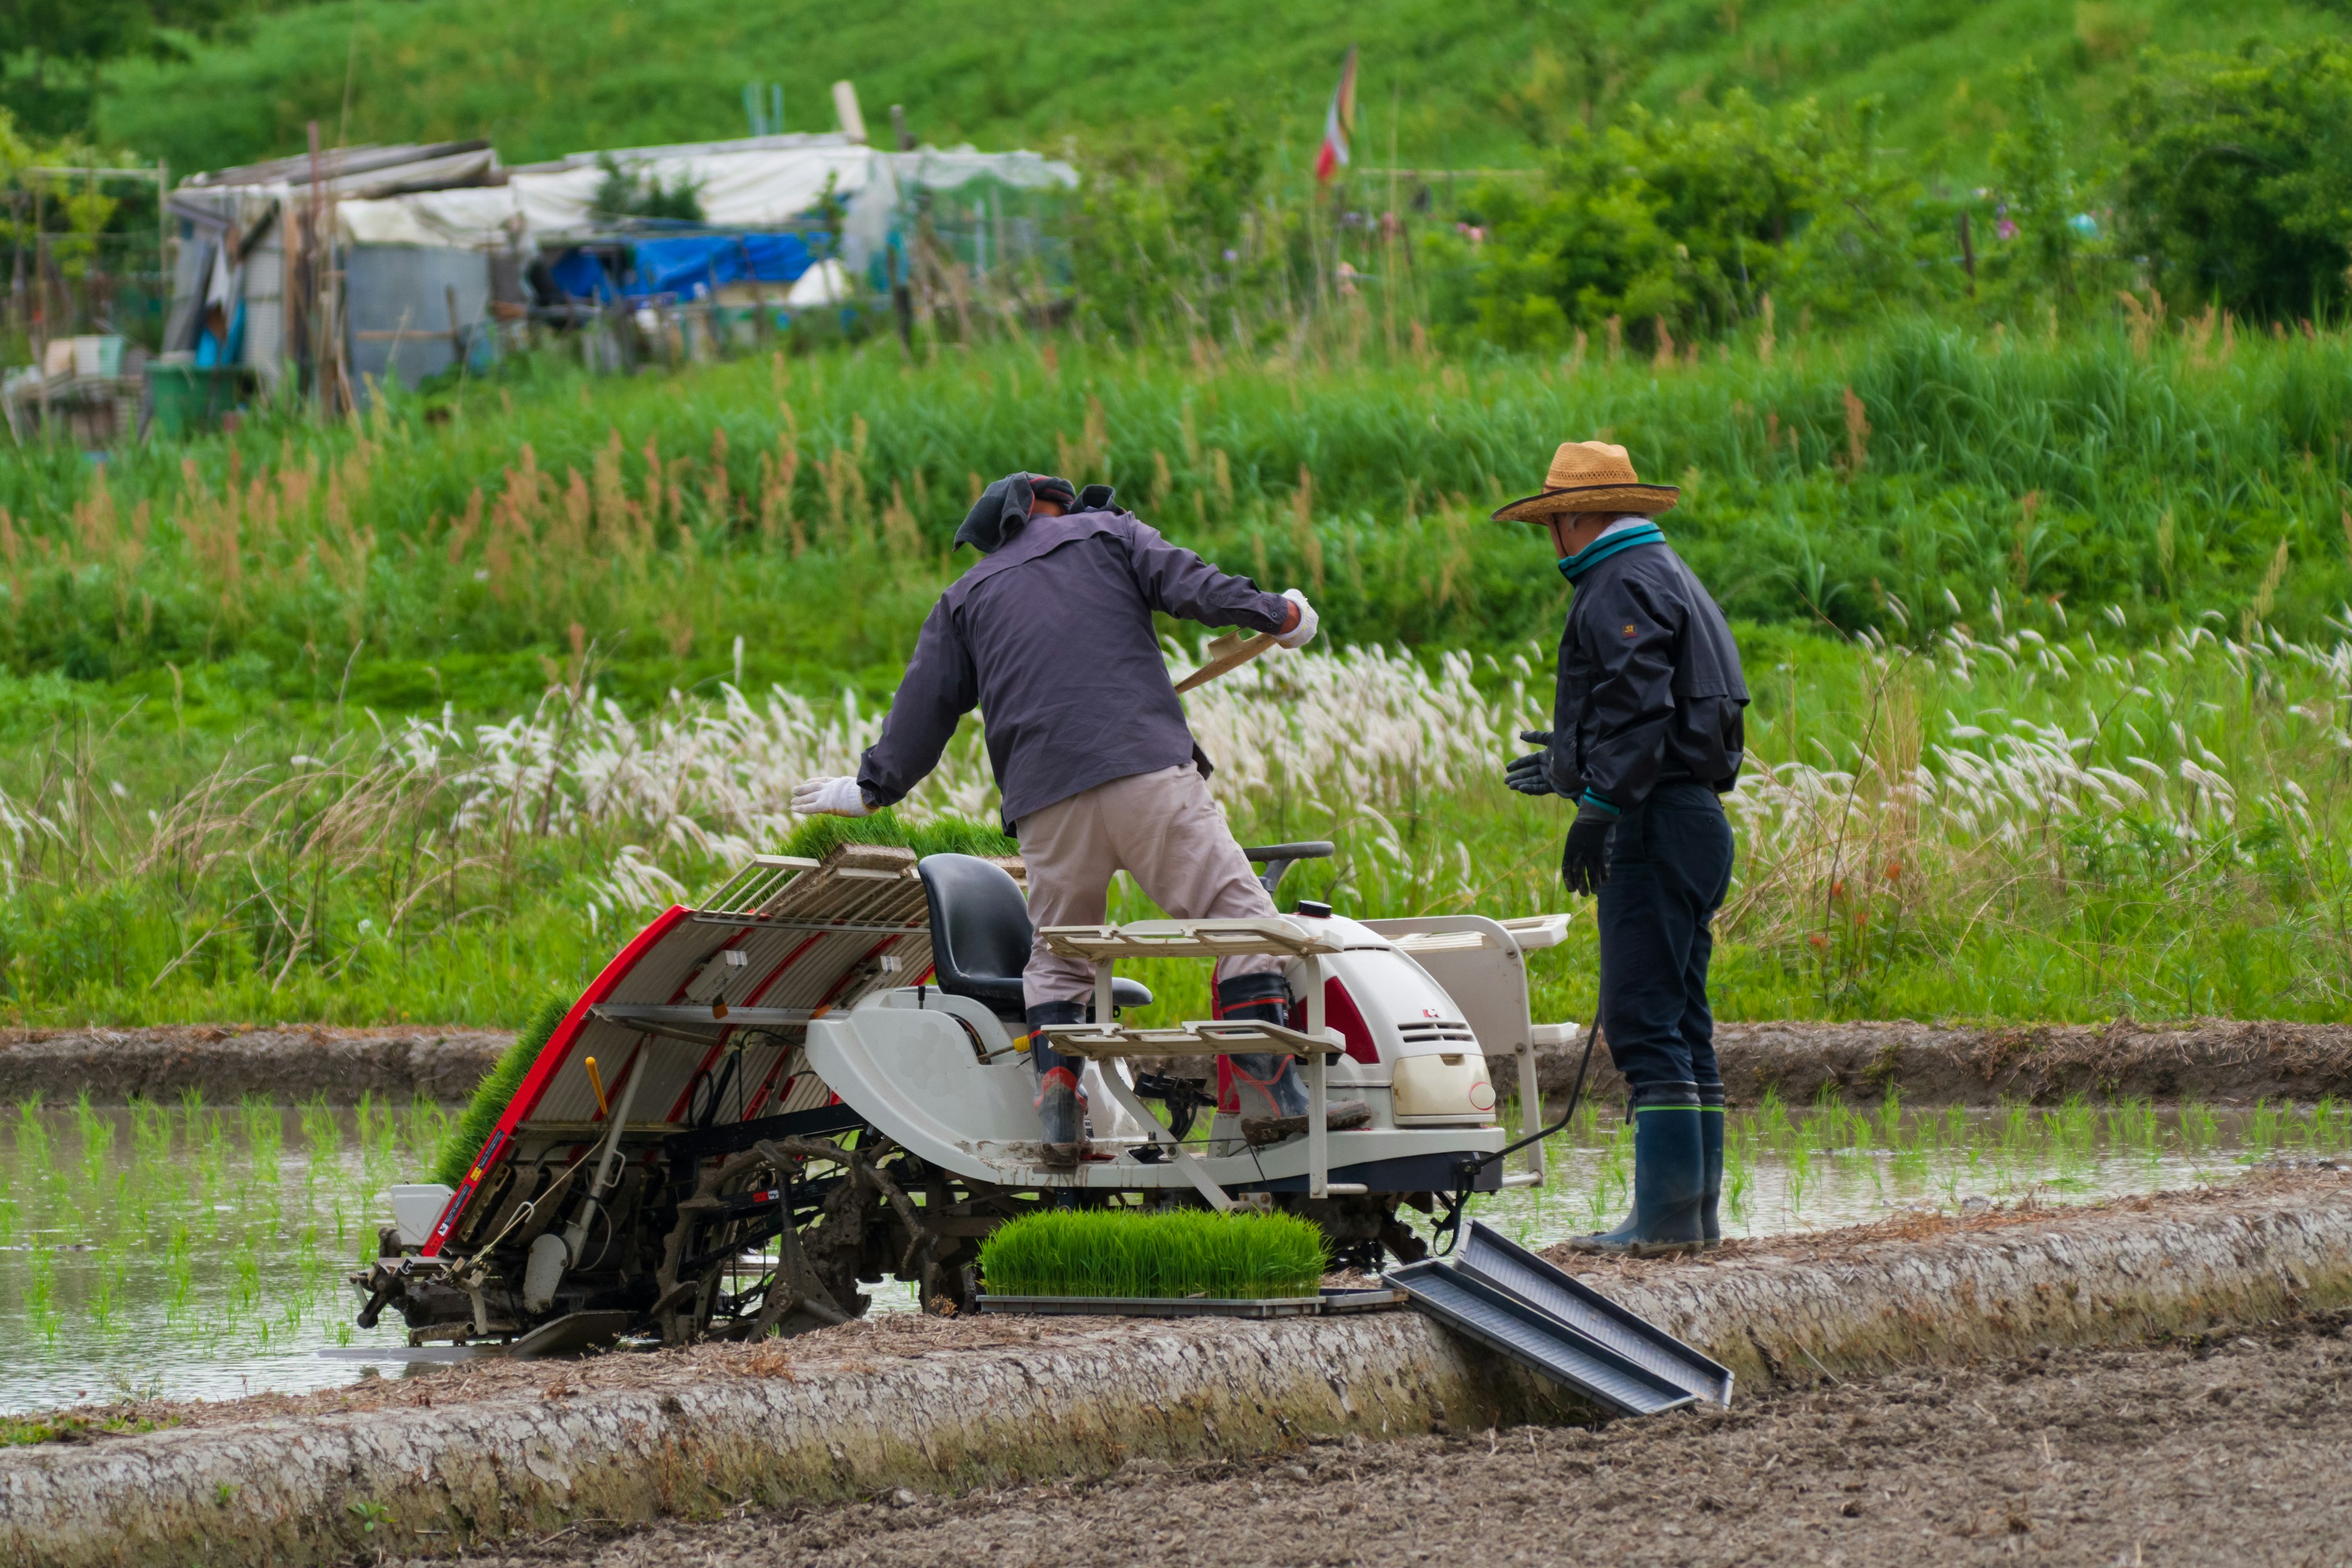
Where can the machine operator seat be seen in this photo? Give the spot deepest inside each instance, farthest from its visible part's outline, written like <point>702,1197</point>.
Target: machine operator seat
<point>981,934</point>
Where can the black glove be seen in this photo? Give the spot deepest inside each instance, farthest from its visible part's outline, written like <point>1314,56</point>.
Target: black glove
<point>1584,863</point>
<point>1528,774</point>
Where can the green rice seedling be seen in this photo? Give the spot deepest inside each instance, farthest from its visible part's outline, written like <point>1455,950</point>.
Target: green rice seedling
<point>2073,1126</point>
<point>1738,1167</point>
<point>1166,1252</point>
<point>425,1127</point>
<point>1890,1118</point>
<point>2261,1134</point>
<point>1914,1148</point>
<point>2200,1129</point>
<point>41,1291</point>
<point>1800,1174</point>
<point>322,1142</point>
<point>2331,1123</point>
<point>265,1138</point>
<point>96,1133</point>
<point>245,1293</point>
<point>106,1293</point>
<point>1614,1176</point>
<point>32,1138</point>
<point>473,1126</point>
<point>1772,1118</point>
<point>180,1272</point>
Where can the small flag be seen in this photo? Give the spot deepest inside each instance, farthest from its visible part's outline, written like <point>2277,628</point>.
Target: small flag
<point>1339,124</point>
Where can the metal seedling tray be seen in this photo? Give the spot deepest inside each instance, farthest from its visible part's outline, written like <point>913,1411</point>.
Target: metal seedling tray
<point>1327,1301</point>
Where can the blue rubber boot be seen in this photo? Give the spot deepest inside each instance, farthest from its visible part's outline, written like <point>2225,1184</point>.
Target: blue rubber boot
<point>1060,1120</point>
<point>1668,1173</point>
<point>1710,1155</point>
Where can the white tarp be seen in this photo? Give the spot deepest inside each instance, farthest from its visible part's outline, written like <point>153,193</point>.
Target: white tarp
<point>479,217</point>
<point>757,182</point>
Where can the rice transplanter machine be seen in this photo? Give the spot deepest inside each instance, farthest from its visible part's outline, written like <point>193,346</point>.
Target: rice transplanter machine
<point>816,1081</point>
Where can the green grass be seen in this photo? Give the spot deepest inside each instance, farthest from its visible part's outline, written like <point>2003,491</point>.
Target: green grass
<point>1447,86</point>
<point>1165,1253</point>
<point>245,774</point>
<point>798,530</point>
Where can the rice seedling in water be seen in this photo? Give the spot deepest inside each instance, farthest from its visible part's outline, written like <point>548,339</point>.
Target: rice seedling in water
<point>97,1137</point>
<point>41,1291</point>
<point>2262,1133</point>
<point>1158,1253</point>
<point>265,1138</point>
<point>2200,1129</point>
<point>32,1138</point>
<point>1890,1118</point>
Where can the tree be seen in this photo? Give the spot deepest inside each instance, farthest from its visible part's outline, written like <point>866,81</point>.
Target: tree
<point>2237,176</point>
<point>54,50</point>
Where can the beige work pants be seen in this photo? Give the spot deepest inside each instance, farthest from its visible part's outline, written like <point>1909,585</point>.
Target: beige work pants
<point>1162,829</point>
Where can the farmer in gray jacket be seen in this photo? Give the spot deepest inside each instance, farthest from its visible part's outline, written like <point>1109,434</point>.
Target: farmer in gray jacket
<point>1050,635</point>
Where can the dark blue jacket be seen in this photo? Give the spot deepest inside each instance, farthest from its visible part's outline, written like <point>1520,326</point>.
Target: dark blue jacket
<point>1050,636</point>
<point>1650,689</point>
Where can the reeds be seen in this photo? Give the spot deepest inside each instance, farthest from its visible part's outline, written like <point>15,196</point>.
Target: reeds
<point>1166,1252</point>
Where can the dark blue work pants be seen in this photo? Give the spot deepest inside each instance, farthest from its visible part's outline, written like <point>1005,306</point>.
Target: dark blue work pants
<point>1669,869</point>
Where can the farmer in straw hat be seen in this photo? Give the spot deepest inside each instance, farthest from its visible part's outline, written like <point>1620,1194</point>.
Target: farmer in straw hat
<point>1646,735</point>
<point>1050,635</point>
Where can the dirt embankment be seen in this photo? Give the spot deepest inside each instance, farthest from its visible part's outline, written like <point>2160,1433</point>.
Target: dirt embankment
<point>502,1451</point>
<point>2230,1450</point>
<point>2213,1059</point>
<point>287,1063</point>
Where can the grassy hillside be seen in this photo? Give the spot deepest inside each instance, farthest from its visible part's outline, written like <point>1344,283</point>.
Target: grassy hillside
<point>1464,84</point>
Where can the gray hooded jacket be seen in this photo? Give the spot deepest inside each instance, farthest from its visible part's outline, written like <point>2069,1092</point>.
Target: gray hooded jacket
<point>1051,637</point>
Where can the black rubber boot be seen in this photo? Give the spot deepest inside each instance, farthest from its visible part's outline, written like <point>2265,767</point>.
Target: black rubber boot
<point>1062,1122</point>
<point>1710,1157</point>
<point>1667,1176</point>
<point>1269,1086</point>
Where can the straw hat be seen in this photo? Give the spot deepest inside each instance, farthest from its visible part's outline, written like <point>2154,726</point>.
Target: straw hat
<point>1591,476</point>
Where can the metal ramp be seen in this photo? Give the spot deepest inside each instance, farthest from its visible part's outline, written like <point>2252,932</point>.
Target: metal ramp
<point>1504,1297</point>
<point>1537,1340</point>
<point>1507,1266</point>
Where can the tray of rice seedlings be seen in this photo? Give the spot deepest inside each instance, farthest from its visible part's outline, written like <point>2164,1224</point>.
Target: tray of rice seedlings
<point>1162,1263</point>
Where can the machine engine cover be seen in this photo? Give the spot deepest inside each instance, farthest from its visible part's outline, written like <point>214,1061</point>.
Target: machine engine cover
<point>1450,1088</point>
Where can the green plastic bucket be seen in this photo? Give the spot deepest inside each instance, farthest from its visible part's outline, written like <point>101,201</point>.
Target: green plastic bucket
<point>189,398</point>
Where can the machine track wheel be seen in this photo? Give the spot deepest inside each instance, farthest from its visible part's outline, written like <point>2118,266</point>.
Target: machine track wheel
<point>813,1279</point>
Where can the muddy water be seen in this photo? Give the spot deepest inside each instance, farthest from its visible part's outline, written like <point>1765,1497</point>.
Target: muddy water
<point>199,1251</point>
<point>1822,1166</point>
<point>190,1251</point>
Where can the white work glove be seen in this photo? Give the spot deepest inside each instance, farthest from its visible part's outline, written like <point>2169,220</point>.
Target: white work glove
<point>1303,633</point>
<point>830,797</point>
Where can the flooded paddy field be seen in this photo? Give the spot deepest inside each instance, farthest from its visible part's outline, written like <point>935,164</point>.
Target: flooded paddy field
<point>198,1250</point>
<point>190,1249</point>
<point>1829,1163</point>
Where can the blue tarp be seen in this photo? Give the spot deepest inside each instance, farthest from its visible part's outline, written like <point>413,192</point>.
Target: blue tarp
<point>580,276</point>
<point>695,265</point>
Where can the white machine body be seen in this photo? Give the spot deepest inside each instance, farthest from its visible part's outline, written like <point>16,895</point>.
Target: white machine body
<point>941,1073</point>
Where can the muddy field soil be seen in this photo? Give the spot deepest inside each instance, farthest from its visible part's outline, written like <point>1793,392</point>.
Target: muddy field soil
<point>2212,1060</point>
<point>2232,1450</point>
<point>287,1063</point>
